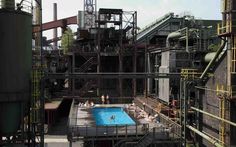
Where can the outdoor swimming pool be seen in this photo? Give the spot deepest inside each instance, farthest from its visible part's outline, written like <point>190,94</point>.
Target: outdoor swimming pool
<point>111,116</point>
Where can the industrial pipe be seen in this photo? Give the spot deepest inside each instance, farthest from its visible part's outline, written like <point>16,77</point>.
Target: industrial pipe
<point>213,60</point>
<point>216,117</point>
<point>213,141</point>
<point>172,35</point>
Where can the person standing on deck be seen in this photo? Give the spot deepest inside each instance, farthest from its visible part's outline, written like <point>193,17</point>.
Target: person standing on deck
<point>103,99</point>
<point>107,99</point>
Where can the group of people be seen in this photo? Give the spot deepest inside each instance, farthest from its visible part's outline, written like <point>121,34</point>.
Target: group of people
<point>105,100</point>
<point>88,103</point>
<point>147,116</point>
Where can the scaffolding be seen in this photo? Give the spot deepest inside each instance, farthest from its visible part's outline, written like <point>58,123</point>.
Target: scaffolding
<point>221,112</point>
<point>233,56</point>
<point>35,119</point>
<point>187,78</point>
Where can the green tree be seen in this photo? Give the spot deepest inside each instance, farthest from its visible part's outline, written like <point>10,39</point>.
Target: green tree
<point>67,40</point>
<point>213,47</point>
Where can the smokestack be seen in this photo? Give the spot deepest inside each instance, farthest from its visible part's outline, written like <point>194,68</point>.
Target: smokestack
<point>55,29</point>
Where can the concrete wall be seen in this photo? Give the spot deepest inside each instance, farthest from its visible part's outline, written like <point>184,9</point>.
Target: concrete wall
<point>164,84</point>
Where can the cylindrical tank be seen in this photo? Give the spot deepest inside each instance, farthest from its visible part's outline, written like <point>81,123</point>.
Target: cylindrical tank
<point>8,4</point>
<point>15,68</point>
<point>209,56</point>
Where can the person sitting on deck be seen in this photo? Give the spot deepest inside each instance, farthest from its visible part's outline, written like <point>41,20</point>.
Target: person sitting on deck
<point>87,104</point>
<point>91,103</point>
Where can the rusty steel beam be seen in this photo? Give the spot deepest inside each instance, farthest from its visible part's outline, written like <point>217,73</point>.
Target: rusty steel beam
<point>55,24</point>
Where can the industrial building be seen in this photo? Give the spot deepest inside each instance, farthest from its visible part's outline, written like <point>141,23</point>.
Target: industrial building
<point>113,84</point>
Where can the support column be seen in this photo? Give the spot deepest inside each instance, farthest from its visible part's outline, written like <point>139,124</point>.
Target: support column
<point>120,70</point>
<point>134,86</point>
<point>134,83</point>
<point>70,143</point>
<point>98,57</point>
<point>145,69</point>
<point>183,110</point>
<point>121,57</point>
<point>156,71</point>
<point>149,80</point>
<point>73,70</point>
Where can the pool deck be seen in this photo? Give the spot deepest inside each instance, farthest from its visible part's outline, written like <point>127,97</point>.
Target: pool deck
<point>83,125</point>
<point>84,115</point>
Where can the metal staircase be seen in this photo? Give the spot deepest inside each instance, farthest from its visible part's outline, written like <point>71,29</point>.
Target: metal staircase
<point>156,133</point>
<point>87,86</point>
<point>83,68</point>
<point>146,140</point>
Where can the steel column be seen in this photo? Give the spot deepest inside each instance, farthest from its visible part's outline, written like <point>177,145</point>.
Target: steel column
<point>121,57</point>
<point>145,69</point>
<point>134,32</point>
<point>99,56</point>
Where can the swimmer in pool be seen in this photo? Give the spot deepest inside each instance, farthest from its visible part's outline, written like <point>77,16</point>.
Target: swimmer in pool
<point>113,117</point>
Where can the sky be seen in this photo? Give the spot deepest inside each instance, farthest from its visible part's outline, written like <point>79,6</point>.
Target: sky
<point>147,10</point>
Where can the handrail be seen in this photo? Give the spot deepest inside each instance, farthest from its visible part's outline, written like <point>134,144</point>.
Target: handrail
<point>156,23</point>
<point>144,136</point>
<point>225,27</point>
<point>87,64</point>
<point>83,130</point>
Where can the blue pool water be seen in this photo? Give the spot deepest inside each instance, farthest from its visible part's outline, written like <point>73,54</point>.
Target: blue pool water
<point>111,116</point>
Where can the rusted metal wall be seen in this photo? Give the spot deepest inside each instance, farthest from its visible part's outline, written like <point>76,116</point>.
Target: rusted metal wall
<point>211,102</point>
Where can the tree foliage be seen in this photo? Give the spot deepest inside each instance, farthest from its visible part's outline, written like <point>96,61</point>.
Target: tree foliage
<point>213,47</point>
<point>67,40</point>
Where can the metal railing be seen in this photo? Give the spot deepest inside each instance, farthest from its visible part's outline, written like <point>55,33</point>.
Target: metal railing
<point>226,27</point>
<point>154,133</point>
<point>91,61</point>
<point>233,60</point>
<point>154,24</point>
<point>189,74</point>
<point>175,128</point>
<point>25,5</point>
<point>92,131</point>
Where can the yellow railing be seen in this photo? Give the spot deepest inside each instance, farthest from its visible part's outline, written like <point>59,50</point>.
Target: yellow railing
<point>221,95</point>
<point>35,105</point>
<point>189,73</point>
<point>233,60</point>
<point>224,28</point>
